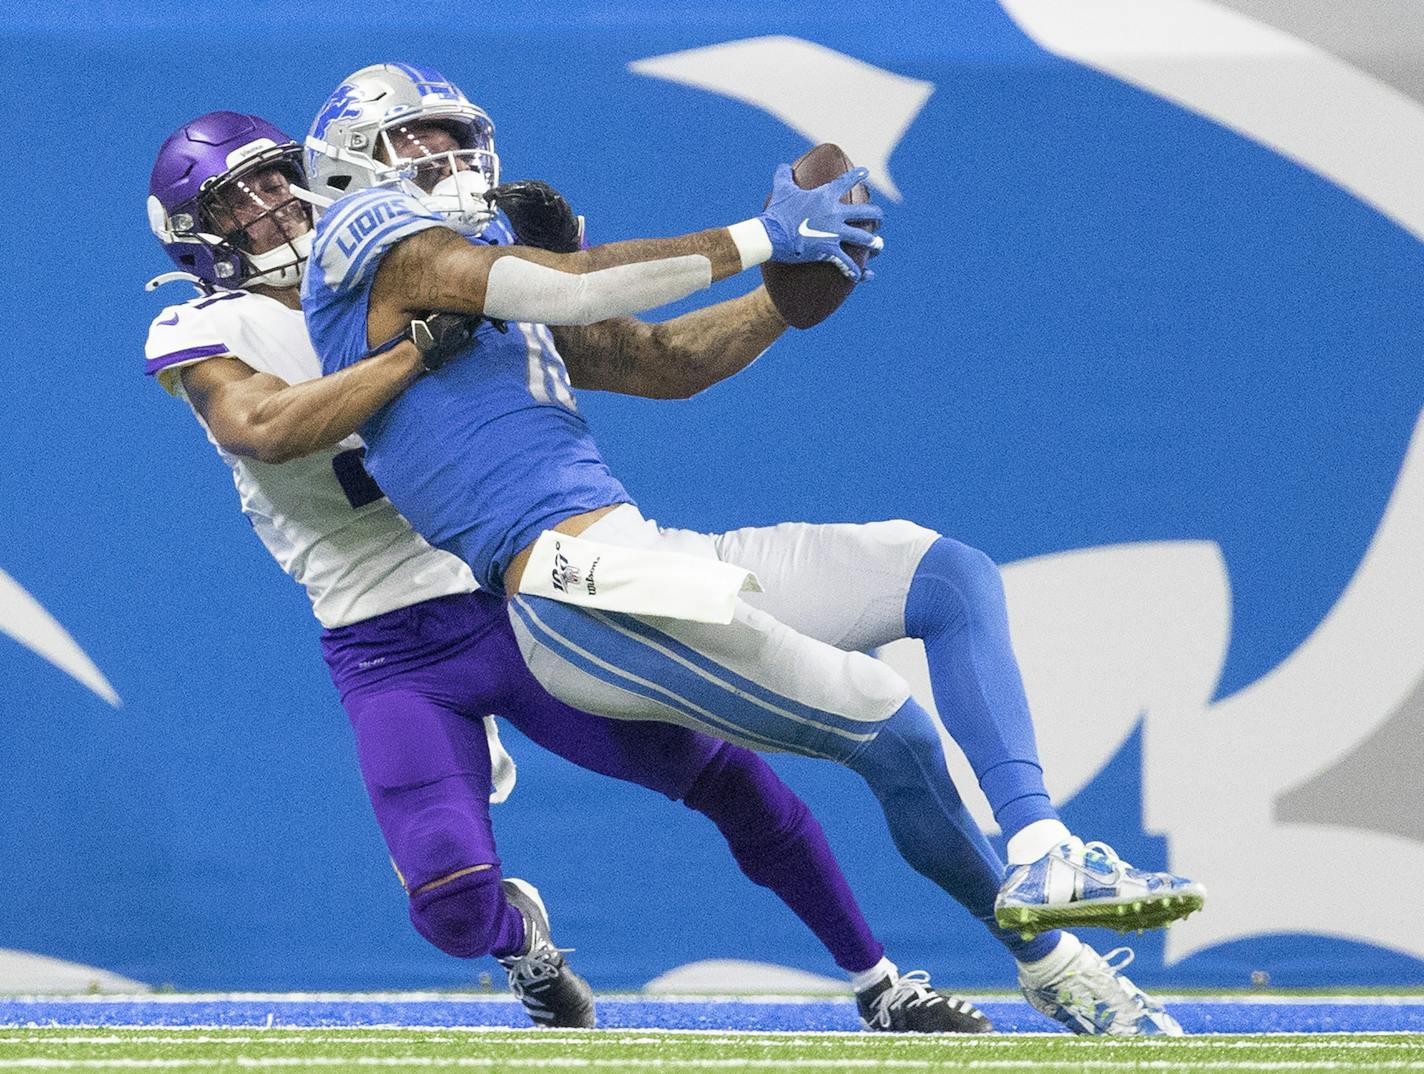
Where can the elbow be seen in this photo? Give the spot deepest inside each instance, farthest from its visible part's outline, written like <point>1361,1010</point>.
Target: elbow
<point>681,375</point>
<point>265,444</point>
<point>274,454</point>
<point>679,390</point>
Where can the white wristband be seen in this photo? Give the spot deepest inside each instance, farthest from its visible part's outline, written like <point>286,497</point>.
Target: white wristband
<point>753,243</point>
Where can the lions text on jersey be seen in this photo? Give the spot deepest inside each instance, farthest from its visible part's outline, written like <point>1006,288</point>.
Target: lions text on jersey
<point>491,451</point>
<point>321,517</point>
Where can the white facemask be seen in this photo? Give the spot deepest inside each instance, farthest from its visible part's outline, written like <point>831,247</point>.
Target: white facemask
<point>278,267</point>
<point>460,197</point>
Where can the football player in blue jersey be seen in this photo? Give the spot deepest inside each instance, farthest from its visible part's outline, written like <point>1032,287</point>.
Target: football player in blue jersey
<point>492,462</point>
<point>417,651</point>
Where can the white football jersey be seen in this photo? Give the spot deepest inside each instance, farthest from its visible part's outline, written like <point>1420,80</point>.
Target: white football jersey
<point>322,517</point>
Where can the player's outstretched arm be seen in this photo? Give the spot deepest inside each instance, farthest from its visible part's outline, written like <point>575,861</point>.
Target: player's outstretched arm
<point>675,359</point>
<point>260,416</point>
<point>436,269</point>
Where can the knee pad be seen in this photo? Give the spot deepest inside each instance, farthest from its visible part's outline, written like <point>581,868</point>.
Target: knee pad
<point>462,917</point>
<point>952,584</point>
<point>880,687</point>
<point>431,839</point>
<point>900,534</point>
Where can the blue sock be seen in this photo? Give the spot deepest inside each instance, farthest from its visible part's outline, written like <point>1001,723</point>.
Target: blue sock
<point>956,607</point>
<point>904,767</point>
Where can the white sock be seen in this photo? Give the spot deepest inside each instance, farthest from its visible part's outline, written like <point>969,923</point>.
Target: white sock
<point>1034,841</point>
<point>865,978</point>
<point>1052,964</point>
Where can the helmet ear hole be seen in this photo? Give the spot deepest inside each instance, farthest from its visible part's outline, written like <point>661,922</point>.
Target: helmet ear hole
<point>339,182</point>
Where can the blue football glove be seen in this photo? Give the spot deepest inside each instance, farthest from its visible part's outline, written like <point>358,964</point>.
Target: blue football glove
<point>810,225</point>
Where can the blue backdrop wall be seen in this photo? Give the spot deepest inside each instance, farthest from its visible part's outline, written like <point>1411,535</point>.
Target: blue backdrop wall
<point>1110,319</point>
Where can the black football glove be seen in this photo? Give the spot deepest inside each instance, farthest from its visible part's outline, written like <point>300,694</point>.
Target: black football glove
<point>440,336</point>
<point>539,215</point>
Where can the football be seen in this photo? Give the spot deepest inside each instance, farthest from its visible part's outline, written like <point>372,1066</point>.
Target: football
<point>806,294</point>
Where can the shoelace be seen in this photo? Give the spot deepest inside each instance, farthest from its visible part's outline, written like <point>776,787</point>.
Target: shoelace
<point>535,968</point>
<point>1109,856</point>
<point>1104,981</point>
<point>911,988</point>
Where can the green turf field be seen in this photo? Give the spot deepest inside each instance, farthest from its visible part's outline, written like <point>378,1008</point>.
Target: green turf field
<point>337,1050</point>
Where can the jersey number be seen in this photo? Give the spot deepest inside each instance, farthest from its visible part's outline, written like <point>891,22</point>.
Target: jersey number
<point>548,379</point>
<point>359,486</point>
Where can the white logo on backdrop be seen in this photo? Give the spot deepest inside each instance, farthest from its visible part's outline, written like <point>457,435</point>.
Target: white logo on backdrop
<point>822,94</point>
<point>1112,636</point>
<point>1364,660</point>
<point>24,619</point>
<point>1304,103</point>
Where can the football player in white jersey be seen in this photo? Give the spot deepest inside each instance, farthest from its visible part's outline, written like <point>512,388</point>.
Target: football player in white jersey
<point>418,653</point>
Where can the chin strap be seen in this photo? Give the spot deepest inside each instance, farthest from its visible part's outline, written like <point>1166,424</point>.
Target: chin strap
<point>202,286</point>
<point>303,194</point>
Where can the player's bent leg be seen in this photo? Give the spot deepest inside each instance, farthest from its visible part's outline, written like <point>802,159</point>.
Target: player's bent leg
<point>956,606</point>
<point>894,580</point>
<point>897,579</point>
<point>427,771</point>
<point>680,671</point>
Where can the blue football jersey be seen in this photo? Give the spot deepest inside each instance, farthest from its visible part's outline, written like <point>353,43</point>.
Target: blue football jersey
<point>489,452</point>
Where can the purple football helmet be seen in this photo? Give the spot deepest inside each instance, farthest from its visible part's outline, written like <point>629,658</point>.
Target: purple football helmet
<point>220,201</point>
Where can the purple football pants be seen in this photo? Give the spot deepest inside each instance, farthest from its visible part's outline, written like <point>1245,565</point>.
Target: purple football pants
<point>416,683</point>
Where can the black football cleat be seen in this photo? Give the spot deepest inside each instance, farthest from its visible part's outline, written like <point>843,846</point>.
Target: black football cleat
<point>908,1004</point>
<point>552,993</point>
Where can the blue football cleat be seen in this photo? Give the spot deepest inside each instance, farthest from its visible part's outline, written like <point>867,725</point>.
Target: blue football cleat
<point>1077,885</point>
<point>1091,997</point>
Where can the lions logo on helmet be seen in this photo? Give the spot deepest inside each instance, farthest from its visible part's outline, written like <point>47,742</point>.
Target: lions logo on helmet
<point>368,133</point>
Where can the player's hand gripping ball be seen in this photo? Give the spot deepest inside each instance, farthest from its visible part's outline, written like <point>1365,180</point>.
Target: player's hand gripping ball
<point>806,294</point>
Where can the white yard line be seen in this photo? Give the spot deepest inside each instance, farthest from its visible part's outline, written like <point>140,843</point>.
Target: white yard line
<point>544,1039</point>
<point>544,1063</point>
<point>770,1037</point>
<point>633,997</point>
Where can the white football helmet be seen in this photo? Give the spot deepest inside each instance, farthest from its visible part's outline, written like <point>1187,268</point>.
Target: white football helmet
<point>364,136</point>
